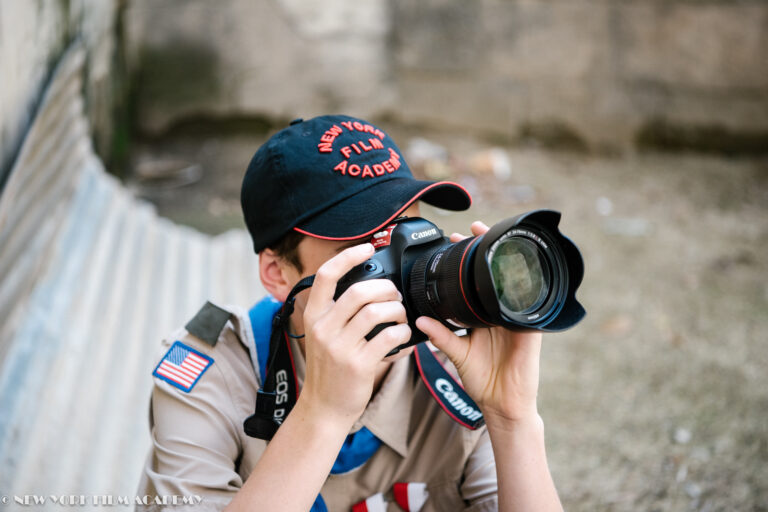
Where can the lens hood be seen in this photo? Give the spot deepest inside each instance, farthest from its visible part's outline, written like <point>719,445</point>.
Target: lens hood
<point>560,259</point>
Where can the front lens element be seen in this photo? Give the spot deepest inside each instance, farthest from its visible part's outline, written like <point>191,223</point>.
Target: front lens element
<point>520,282</point>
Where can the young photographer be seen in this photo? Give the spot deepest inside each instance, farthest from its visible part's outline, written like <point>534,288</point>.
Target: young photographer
<point>364,432</point>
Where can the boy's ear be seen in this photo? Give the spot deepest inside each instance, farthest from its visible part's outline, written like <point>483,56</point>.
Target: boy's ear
<point>275,274</point>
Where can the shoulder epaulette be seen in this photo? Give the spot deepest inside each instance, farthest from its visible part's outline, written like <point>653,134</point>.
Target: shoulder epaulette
<point>208,323</point>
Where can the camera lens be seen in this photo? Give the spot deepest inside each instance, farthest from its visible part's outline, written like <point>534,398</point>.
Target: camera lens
<point>520,276</point>
<point>439,288</point>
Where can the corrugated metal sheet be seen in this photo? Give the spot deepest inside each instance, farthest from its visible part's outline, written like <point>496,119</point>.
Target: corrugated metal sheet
<point>90,280</point>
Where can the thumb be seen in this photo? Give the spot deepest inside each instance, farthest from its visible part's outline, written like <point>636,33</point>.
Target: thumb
<point>444,339</point>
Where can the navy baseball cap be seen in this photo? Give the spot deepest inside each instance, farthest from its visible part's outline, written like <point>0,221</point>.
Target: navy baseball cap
<point>335,178</point>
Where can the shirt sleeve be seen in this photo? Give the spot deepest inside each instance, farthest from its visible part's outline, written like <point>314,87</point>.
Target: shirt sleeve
<point>479,487</point>
<point>195,445</point>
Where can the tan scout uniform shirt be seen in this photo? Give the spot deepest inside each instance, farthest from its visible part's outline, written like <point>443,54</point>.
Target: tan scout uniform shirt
<point>199,447</point>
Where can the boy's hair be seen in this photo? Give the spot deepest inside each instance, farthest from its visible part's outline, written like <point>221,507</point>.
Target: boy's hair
<point>287,248</point>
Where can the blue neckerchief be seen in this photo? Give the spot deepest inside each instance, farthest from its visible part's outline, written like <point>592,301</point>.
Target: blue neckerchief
<point>261,315</point>
<point>358,447</point>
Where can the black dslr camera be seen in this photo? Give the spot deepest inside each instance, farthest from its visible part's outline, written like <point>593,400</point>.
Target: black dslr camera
<point>522,274</point>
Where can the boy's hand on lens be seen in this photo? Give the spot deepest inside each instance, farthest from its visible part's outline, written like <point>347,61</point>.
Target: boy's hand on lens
<point>499,368</point>
<point>341,364</point>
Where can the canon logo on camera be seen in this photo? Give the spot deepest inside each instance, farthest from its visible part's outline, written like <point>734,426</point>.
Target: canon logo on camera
<point>424,234</point>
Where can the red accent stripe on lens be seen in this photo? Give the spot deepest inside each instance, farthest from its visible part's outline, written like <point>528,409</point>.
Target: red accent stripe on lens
<point>461,284</point>
<point>394,216</point>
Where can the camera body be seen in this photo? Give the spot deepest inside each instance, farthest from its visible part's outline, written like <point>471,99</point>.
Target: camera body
<point>398,247</point>
<point>522,274</point>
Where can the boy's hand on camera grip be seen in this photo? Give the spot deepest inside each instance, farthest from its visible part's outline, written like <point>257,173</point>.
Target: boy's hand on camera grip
<point>341,364</point>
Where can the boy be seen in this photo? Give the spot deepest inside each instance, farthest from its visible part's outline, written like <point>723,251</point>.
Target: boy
<point>364,433</point>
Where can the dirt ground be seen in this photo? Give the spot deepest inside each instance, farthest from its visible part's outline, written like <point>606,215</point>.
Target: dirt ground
<point>658,400</point>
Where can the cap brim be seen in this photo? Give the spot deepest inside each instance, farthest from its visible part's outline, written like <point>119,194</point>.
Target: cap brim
<point>373,208</point>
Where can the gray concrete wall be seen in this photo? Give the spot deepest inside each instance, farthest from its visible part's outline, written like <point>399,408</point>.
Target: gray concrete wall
<point>33,35</point>
<point>600,74</point>
<point>603,74</point>
<point>246,58</point>
<point>596,71</point>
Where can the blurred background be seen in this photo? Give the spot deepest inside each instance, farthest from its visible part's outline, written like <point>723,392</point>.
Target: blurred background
<point>126,127</point>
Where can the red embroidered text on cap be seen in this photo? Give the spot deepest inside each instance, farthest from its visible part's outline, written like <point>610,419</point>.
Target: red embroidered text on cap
<point>364,144</point>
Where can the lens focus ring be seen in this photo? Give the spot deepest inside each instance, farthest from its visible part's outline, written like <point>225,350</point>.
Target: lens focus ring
<point>418,287</point>
<point>440,285</point>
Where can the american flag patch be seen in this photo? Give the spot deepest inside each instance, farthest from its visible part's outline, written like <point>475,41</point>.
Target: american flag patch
<point>182,366</point>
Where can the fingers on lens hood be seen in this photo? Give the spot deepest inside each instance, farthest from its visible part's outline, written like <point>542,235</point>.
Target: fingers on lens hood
<point>522,274</point>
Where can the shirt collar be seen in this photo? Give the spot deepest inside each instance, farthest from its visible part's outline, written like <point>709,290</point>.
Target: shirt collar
<point>389,412</point>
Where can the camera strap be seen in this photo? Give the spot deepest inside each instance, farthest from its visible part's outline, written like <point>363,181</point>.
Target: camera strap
<point>279,389</point>
<point>447,391</point>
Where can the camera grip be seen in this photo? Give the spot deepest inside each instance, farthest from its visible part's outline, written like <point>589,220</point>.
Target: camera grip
<point>370,269</point>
